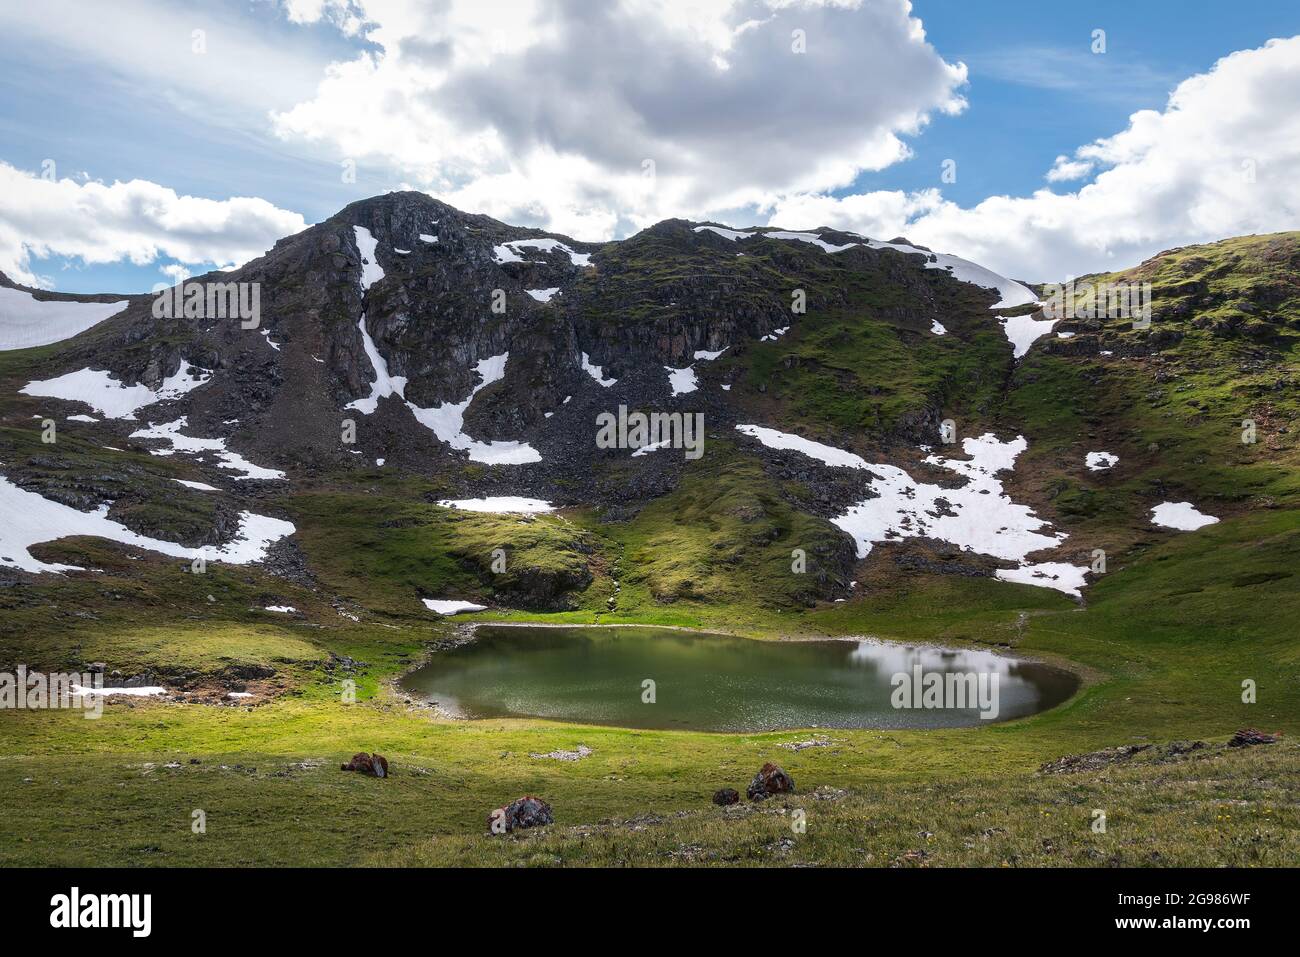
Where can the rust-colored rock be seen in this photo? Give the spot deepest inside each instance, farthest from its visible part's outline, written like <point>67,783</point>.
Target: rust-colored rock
<point>375,765</point>
<point>769,780</point>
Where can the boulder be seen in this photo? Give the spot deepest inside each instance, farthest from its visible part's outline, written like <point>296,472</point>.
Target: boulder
<point>769,780</point>
<point>375,765</point>
<point>1249,736</point>
<point>523,812</point>
<point>724,796</point>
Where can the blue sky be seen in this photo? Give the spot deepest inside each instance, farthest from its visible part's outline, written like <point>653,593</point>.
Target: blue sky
<point>1034,92</point>
<point>1018,95</point>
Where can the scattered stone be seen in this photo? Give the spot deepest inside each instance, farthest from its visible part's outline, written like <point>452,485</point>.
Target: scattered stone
<point>559,755</point>
<point>816,741</point>
<point>724,796</point>
<point>1093,760</point>
<point>916,858</point>
<point>1251,736</point>
<point>825,792</point>
<point>769,780</point>
<point>375,765</point>
<point>523,812</point>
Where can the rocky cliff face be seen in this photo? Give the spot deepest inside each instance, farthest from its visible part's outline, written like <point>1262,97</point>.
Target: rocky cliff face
<point>467,358</point>
<point>447,291</point>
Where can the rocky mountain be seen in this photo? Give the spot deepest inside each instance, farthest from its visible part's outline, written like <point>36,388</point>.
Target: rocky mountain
<point>867,411</point>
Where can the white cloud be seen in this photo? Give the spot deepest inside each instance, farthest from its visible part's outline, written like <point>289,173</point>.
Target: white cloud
<point>553,120</point>
<point>243,68</point>
<point>137,221</point>
<point>1065,169</point>
<point>1218,161</point>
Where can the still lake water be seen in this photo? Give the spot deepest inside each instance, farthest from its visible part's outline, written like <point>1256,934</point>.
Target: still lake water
<point>712,682</point>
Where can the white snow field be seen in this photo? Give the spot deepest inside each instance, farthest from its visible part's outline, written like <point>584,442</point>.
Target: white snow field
<point>451,606</point>
<point>1023,331</point>
<point>148,691</point>
<point>978,517</point>
<point>111,398</point>
<point>508,252</point>
<point>170,432</point>
<point>30,519</point>
<point>682,381</point>
<point>1100,461</point>
<point>1059,575</point>
<point>826,454</point>
<point>596,372</point>
<point>1010,292</point>
<point>445,421</point>
<point>500,505</point>
<point>1180,515</point>
<point>26,321</point>
<point>197,486</point>
<point>543,295</point>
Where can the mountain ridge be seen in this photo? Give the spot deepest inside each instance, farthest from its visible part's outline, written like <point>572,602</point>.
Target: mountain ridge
<point>680,319</point>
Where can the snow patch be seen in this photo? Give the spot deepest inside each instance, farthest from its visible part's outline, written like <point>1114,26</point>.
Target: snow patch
<point>977,517</point>
<point>682,381</point>
<point>500,504</point>
<point>1180,515</point>
<point>199,486</point>
<point>451,607</point>
<point>447,422</point>
<point>810,238</point>
<point>509,252</point>
<point>1010,292</point>
<point>596,372</point>
<point>732,234</point>
<point>170,432</point>
<point>371,271</point>
<point>1023,331</point>
<point>543,295</point>
<point>31,519</point>
<point>652,447</point>
<point>111,398</point>
<point>1100,461</point>
<point>937,328</point>
<point>145,692</point>
<point>26,322</point>
<point>1065,578</point>
<point>826,454</point>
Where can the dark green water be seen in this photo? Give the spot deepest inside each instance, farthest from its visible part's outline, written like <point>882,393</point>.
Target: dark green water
<point>716,683</point>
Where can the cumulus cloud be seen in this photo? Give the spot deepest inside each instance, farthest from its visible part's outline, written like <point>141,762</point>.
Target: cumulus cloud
<point>1065,169</point>
<point>136,220</point>
<point>593,118</point>
<point>1218,161</point>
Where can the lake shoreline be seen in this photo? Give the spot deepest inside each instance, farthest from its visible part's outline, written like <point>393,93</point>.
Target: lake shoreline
<point>467,633</point>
